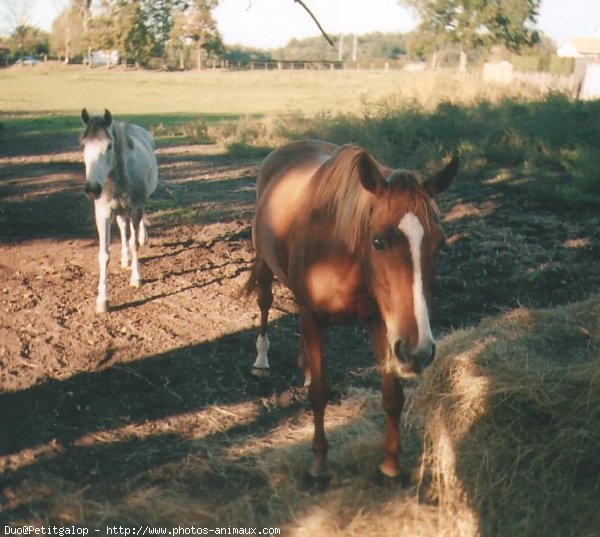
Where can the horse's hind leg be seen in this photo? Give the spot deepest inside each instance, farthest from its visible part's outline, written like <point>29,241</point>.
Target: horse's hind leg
<point>264,293</point>
<point>134,243</point>
<point>143,232</point>
<point>122,223</point>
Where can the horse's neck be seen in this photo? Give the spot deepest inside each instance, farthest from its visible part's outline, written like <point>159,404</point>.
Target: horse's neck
<point>119,174</point>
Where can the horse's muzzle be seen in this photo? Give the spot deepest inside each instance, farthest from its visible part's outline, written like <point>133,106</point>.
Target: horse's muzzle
<point>412,363</point>
<point>93,190</point>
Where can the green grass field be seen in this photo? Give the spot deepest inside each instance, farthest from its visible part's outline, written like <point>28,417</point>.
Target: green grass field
<point>405,119</point>
<point>211,94</point>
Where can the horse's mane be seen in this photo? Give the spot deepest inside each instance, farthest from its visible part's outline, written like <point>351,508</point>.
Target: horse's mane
<point>339,195</point>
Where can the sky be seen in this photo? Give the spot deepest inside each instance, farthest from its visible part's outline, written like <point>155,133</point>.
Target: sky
<point>272,23</point>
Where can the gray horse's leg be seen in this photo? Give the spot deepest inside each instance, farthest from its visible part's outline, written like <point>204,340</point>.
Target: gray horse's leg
<point>122,223</point>
<point>143,232</point>
<point>134,243</point>
<point>103,221</point>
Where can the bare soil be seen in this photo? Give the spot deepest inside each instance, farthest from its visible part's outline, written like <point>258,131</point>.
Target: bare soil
<point>184,341</point>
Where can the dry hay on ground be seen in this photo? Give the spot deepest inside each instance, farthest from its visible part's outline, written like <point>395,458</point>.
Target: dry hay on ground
<point>512,423</point>
<point>511,433</point>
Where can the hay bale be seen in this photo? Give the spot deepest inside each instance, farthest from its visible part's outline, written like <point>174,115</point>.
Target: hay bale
<point>512,422</point>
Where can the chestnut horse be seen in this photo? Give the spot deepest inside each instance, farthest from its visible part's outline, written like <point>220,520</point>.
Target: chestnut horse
<point>353,240</point>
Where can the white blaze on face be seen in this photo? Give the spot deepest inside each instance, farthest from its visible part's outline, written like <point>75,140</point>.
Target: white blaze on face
<point>96,158</point>
<point>412,228</point>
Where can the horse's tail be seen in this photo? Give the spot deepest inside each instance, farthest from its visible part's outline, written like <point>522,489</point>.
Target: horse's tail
<point>250,284</point>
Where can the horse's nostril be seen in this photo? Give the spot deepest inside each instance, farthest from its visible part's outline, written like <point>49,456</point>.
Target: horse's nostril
<point>398,348</point>
<point>432,356</point>
<point>93,190</point>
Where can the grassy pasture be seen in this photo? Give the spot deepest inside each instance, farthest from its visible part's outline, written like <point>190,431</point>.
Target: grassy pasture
<point>405,119</point>
<point>209,93</point>
<point>181,435</point>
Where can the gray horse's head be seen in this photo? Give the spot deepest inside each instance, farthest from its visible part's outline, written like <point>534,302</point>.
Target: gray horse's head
<point>98,151</point>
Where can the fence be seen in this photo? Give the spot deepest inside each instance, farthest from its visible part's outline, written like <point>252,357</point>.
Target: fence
<point>270,65</point>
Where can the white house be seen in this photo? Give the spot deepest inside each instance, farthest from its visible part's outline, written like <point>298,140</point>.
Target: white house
<point>104,57</point>
<point>586,51</point>
<point>581,47</point>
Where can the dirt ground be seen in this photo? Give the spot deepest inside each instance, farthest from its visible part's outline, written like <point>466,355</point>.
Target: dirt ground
<point>185,340</point>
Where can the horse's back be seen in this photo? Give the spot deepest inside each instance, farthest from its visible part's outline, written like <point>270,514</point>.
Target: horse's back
<point>143,168</point>
<point>295,158</point>
<point>282,182</point>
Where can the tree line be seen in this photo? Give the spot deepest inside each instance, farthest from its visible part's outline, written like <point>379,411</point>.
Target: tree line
<point>183,33</point>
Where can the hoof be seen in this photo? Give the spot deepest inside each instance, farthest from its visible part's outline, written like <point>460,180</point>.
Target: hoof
<point>389,469</point>
<point>135,283</point>
<point>320,469</point>
<point>399,477</point>
<point>102,306</point>
<point>261,371</point>
<point>318,483</point>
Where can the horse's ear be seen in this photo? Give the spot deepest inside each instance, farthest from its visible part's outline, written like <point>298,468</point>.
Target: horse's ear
<point>441,180</point>
<point>85,117</point>
<point>107,117</point>
<point>370,176</point>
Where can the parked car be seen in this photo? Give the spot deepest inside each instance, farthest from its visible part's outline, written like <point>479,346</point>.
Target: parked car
<point>28,60</point>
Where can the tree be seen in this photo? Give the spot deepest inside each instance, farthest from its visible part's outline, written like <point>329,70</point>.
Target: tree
<point>67,37</point>
<point>27,40</point>
<point>132,36</point>
<point>121,25</point>
<point>83,9</point>
<point>16,15</point>
<point>471,23</point>
<point>101,35</point>
<point>422,44</point>
<point>177,36</point>
<point>159,19</point>
<point>201,28</point>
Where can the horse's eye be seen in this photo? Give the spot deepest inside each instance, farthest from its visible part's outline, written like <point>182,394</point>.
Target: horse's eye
<point>109,147</point>
<point>378,244</point>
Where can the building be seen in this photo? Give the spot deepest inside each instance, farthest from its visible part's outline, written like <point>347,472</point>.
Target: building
<point>586,73</point>
<point>104,57</point>
<point>581,47</point>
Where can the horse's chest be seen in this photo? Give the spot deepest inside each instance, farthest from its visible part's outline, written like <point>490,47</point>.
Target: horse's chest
<point>336,288</point>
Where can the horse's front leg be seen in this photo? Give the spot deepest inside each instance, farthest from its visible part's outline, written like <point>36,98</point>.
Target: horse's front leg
<point>134,243</point>
<point>122,222</point>
<point>103,222</point>
<point>311,336</point>
<point>393,401</point>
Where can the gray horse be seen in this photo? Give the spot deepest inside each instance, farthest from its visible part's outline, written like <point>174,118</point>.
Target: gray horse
<point>121,172</point>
